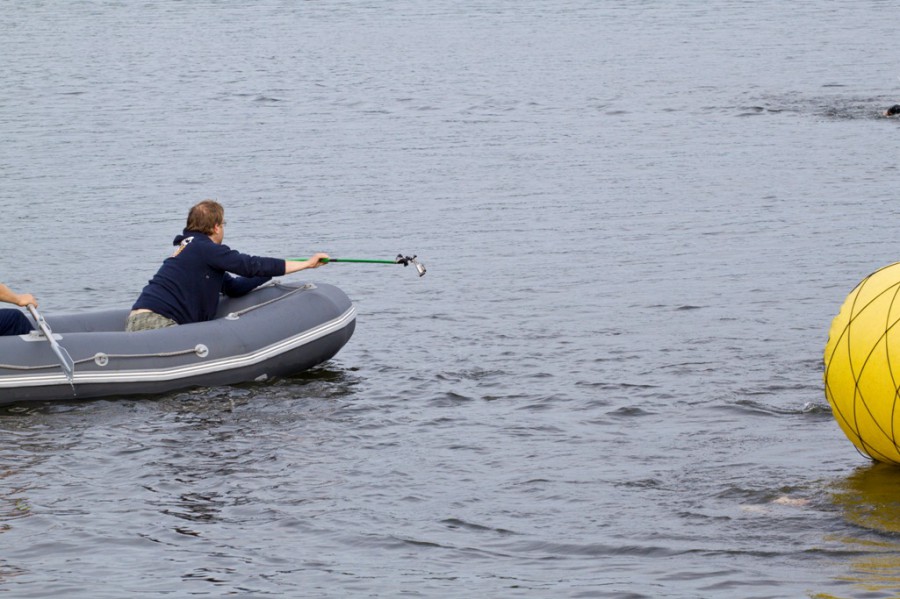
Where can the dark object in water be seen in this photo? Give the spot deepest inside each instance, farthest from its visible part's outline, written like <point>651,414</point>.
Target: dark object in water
<point>893,110</point>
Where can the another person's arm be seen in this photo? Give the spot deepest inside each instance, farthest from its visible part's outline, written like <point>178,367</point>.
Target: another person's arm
<point>20,299</point>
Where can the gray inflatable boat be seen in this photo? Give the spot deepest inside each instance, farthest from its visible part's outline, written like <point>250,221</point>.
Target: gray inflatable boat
<point>274,331</point>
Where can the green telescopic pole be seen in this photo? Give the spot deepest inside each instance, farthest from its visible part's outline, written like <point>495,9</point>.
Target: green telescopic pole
<point>350,260</point>
<point>400,259</point>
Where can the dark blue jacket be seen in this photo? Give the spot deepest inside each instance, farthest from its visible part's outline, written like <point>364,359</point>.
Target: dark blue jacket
<point>188,284</point>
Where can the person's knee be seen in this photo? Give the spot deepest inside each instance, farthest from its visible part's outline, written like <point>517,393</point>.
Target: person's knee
<point>147,321</point>
<point>13,322</point>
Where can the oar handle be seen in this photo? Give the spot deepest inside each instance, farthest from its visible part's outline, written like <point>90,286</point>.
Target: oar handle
<point>42,324</point>
<point>65,360</point>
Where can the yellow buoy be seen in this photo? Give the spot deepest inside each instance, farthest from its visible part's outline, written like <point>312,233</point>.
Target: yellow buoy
<point>862,365</point>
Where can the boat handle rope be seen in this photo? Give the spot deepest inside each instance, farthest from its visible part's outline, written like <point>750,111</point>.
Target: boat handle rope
<point>102,359</point>
<point>239,313</point>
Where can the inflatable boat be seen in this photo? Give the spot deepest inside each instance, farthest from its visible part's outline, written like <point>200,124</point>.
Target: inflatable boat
<point>276,330</point>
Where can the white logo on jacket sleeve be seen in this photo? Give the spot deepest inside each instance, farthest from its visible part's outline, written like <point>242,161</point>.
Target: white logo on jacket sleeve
<point>184,244</point>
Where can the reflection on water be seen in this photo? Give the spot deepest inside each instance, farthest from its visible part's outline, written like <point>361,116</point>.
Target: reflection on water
<point>15,505</point>
<point>870,499</point>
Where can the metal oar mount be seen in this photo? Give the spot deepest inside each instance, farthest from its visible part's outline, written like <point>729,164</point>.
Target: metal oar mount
<point>400,259</point>
<point>65,360</point>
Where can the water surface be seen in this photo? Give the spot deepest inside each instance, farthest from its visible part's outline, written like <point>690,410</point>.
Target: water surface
<point>638,221</point>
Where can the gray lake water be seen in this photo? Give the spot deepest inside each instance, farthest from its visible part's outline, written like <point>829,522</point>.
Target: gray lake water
<point>638,218</point>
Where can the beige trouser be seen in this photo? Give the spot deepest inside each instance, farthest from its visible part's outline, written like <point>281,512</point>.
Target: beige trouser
<point>145,320</point>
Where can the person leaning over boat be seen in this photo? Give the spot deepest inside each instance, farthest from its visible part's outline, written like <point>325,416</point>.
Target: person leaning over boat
<point>14,322</point>
<point>186,287</point>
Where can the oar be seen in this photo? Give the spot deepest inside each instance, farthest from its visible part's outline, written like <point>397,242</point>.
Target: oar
<point>400,259</point>
<point>65,360</point>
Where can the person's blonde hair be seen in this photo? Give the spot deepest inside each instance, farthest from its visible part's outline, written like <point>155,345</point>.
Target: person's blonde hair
<point>204,217</point>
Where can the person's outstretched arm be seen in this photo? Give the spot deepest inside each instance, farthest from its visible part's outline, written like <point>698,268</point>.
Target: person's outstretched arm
<point>298,265</point>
